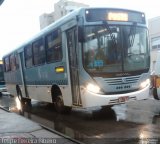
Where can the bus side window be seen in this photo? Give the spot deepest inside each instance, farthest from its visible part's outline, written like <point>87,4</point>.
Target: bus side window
<point>7,64</point>
<point>28,56</point>
<point>54,46</point>
<point>17,61</point>
<point>38,52</point>
<point>13,62</point>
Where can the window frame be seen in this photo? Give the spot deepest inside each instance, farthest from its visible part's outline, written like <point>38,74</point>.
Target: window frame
<point>28,57</point>
<point>7,65</point>
<point>12,59</point>
<point>52,34</point>
<point>38,53</point>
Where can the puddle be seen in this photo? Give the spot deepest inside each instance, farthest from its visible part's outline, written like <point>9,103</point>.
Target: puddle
<point>97,113</point>
<point>133,115</point>
<point>57,124</point>
<point>82,124</point>
<point>138,112</point>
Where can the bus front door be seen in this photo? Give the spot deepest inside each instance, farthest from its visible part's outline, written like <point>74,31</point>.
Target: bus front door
<point>24,88</point>
<point>73,65</point>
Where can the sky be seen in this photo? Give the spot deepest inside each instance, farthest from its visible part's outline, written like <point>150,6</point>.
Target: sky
<point>19,19</point>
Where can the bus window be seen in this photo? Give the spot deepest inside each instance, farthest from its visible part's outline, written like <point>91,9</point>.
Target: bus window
<point>54,47</point>
<point>17,61</point>
<point>28,56</point>
<point>7,64</point>
<point>38,52</point>
<point>13,62</point>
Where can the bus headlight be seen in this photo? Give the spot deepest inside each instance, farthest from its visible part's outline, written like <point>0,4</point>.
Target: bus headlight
<point>145,83</point>
<point>93,88</point>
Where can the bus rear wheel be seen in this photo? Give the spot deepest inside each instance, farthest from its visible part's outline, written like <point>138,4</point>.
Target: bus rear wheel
<point>59,105</point>
<point>21,99</point>
<point>19,94</point>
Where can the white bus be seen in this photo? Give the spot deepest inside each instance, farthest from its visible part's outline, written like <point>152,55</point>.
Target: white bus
<point>91,57</point>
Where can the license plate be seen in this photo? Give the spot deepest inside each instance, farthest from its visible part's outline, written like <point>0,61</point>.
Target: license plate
<point>123,99</point>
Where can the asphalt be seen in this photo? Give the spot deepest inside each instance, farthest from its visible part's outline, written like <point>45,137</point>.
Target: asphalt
<point>17,129</point>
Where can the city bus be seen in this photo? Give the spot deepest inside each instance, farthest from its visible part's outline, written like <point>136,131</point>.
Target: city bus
<point>92,57</point>
<point>2,82</point>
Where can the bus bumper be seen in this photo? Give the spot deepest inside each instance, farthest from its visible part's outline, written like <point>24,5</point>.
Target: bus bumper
<point>90,99</point>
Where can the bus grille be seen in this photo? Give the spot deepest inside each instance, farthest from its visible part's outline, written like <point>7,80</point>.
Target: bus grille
<point>122,80</point>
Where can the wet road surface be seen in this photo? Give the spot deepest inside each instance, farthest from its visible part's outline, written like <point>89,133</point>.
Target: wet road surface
<point>126,123</point>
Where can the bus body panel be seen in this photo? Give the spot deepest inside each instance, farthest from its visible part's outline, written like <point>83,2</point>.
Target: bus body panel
<point>39,80</point>
<point>12,79</point>
<point>90,99</point>
<point>36,82</point>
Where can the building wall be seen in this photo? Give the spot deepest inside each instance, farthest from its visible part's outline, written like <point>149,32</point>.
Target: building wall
<point>61,8</point>
<point>46,19</point>
<point>154,34</point>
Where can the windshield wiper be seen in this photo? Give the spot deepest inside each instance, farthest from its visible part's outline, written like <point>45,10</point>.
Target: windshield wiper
<point>110,32</point>
<point>132,33</point>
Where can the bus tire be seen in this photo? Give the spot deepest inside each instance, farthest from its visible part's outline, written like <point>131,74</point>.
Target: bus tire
<point>59,105</point>
<point>155,94</point>
<point>27,101</point>
<point>21,99</point>
<point>57,99</point>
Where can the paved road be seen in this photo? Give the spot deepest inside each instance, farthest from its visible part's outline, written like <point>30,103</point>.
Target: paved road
<point>127,122</point>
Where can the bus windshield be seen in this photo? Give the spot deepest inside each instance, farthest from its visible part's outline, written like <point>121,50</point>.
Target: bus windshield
<point>114,49</point>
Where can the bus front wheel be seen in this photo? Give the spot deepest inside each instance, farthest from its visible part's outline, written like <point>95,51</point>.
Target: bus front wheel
<point>59,105</point>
